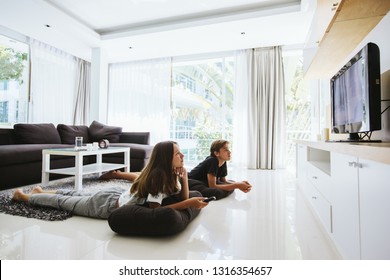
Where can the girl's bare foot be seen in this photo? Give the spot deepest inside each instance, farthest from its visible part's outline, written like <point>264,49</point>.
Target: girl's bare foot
<point>37,189</point>
<point>109,175</point>
<point>19,195</point>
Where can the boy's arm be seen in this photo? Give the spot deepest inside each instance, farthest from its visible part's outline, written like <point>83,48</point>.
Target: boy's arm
<point>227,186</point>
<point>212,180</point>
<point>224,180</point>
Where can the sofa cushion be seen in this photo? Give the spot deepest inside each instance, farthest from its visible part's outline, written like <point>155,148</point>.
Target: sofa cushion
<point>140,220</point>
<point>69,132</point>
<point>99,131</point>
<point>22,154</point>
<point>44,133</point>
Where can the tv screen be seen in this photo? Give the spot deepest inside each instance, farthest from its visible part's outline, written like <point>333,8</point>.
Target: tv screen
<point>355,95</point>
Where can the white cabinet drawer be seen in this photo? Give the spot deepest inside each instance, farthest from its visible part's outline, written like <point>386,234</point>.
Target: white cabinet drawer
<point>320,180</point>
<point>321,206</point>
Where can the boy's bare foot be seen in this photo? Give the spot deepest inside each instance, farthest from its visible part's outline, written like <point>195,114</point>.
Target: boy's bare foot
<point>37,189</point>
<point>109,175</point>
<point>19,195</point>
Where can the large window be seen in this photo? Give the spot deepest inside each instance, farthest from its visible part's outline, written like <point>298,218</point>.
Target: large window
<point>14,81</point>
<point>202,105</point>
<point>200,108</point>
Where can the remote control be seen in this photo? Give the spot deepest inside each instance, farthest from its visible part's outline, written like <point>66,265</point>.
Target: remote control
<point>208,199</point>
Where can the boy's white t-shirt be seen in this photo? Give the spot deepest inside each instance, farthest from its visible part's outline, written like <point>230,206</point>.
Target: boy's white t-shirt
<point>132,198</point>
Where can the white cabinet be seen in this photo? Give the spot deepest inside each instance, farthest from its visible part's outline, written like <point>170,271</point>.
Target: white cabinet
<point>322,19</point>
<point>350,195</point>
<point>374,195</point>
<point>345,205</point>
<point>351,21</point>
<point>361,207</point>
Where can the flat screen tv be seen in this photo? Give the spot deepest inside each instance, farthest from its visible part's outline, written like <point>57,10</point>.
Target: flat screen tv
<point>356,96</point>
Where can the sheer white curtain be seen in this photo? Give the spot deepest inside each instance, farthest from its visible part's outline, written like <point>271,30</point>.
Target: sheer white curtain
<point>266,130</point>
<point>53,81</point>
<point>83,93</point>
<point>139,97</point>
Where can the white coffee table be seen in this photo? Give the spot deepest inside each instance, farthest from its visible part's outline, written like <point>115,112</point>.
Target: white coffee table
<point>80,169</point>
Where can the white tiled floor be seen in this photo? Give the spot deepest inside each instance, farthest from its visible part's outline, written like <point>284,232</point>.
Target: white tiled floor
<point>271,222</point>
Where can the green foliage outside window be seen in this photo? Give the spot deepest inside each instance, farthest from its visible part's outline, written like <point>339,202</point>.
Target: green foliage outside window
<point>204,140</point>
<point>14,75</point>
<point>12,64</point>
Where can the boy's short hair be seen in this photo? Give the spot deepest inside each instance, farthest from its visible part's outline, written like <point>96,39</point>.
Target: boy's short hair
<point>216,146</point>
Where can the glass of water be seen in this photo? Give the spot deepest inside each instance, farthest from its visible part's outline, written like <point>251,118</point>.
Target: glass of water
<point>78,143</point>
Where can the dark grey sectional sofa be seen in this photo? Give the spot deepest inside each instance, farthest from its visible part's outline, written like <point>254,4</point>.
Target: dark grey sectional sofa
<point>21,149</point>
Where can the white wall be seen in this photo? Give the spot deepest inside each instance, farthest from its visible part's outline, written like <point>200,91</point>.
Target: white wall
<point>99,85</point>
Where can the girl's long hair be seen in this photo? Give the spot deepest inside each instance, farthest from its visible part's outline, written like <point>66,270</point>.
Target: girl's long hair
<point>157,176</point>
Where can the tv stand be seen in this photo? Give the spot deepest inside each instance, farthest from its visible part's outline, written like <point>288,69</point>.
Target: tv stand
<point>354,141</point>
<point>346,186</point>
<point>354,137</point>
<point>361,137</point>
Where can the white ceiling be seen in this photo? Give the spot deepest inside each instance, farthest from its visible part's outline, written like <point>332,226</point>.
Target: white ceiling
<point>141,29</point>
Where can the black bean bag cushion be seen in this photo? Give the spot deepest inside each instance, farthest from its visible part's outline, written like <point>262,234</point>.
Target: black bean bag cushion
<point>140,220</point>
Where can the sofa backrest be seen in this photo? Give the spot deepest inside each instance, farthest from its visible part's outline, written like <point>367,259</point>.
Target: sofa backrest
<point>135,137</point>
<point>6,136</point>
<point>47,133</point>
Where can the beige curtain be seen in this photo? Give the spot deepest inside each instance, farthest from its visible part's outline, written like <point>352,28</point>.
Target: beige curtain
<point>83,92</point>
<point>266,109</point>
